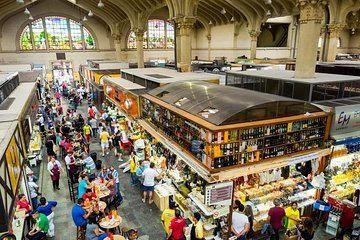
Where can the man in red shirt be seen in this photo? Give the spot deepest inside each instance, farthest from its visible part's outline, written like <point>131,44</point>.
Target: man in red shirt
<point>276,215</point>
<point>89,194</point>
<point>177,227</point>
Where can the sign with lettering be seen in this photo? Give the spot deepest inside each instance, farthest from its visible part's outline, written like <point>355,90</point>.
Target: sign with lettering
<point>219,194</point>
<point>346,119</point>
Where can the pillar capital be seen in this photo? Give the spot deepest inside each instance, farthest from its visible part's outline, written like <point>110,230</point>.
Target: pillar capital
<point>254,34</point>
<point>185,25</point>
<point>117,37</point>
<point>311,10</point>
<point>335,29</point>
<point>139,33</point>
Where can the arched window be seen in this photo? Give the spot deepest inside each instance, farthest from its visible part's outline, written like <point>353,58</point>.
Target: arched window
<point>338,44</point>
<point>56,33</point>
<point>159,34</point>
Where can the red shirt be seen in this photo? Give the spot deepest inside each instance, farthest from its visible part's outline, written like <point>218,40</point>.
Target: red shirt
<point>276,215</point>
<point>91,113</point>
<point>91,197</point>
<point>24,205</point>
<point>177,226</point>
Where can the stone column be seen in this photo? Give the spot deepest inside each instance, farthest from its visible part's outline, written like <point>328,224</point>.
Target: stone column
<point>178,47</point>
<point>311,15</point>
<point>139,33</point>
<point>254,34</point>
<point>209,46</point>
<point>334,34</point>
<point>185,27</point>
<point>117,43</point>
<point>322,47</point>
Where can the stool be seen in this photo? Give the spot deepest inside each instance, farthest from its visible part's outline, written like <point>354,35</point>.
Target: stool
<point>80,233</point>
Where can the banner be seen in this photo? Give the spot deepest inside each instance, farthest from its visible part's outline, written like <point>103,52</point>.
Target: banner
<point>12,155</point>
<point>346,119</point>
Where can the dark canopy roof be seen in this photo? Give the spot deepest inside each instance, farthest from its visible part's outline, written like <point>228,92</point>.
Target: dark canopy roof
<point>231,105</point>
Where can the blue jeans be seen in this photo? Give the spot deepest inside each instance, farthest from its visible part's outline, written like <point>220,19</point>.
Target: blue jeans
<point>34,202</point>
<point>133,178</point>
<point>102,236</point>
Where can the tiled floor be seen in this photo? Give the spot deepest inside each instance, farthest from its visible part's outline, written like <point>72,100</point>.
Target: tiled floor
<point>135,213</point>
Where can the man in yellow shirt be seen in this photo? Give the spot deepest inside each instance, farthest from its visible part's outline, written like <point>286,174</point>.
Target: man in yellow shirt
<point>87,132</point>
<point>168,215</point>
<point>293,216</point>
<point>197,232</point>
<point>104,138</point>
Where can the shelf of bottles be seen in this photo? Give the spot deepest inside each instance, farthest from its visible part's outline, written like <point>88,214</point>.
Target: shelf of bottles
<point>248,145</point>
<point>239,146</point>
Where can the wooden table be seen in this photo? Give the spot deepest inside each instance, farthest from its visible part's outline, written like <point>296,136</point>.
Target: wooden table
<point>102,205</point>
<point>19,230</point>
<point>105,223</point>
<point>104,191</point>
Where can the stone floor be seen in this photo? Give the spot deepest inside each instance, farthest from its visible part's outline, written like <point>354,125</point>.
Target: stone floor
<point>135,213</point>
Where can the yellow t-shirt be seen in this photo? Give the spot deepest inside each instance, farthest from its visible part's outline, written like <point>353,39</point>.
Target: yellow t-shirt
<point>104,137</point>
<point>87,129</point>
<point>133,165</point>
<point>199,230</point>
<point>166,217</point>
<point>291,213</point>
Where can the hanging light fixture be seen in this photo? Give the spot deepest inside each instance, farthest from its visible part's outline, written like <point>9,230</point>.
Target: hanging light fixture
<point>85,19</point>
<point>27,12</point>
<point>270,27</point>
<point>31,17</point>
<point>90,14</point>
<point>223,11</point>
<point>20,1</point>
<point>100,4</point>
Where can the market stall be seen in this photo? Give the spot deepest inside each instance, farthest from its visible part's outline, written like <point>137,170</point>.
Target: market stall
<point>236,147</point>
<point>12,178</point>
<point>152,78</point>
<point>96,71</point>
<point>124,94</point>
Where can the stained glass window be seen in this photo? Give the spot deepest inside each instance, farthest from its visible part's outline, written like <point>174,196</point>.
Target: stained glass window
<point>61,34</point>
<point>26,43</point>
<point>132,40</point>
<point>38,34</point>
<point>156,29</point>
<point>89,40</point>
<point>170,36</point>
<point>159,34</point>
<point>76,35</point>
<point>57,32</point>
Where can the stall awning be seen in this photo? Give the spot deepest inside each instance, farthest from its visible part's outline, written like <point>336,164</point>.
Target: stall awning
<point>223,105</point>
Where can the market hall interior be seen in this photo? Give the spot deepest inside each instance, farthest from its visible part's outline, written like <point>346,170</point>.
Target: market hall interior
<point>179,119</point>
